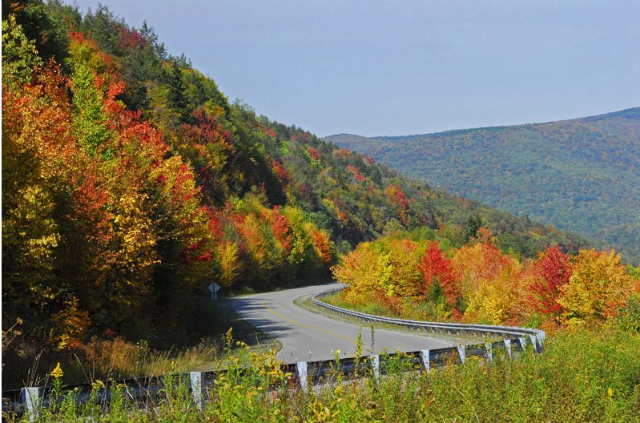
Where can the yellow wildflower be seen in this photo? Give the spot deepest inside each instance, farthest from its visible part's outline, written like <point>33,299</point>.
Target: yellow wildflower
<point>57,373</point>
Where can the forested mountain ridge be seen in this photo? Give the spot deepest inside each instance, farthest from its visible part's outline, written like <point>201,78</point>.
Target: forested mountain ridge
<point>581,175</point>
<point>130,183</point>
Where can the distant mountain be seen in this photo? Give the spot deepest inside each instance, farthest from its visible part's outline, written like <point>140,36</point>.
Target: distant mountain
<point>580,175</point>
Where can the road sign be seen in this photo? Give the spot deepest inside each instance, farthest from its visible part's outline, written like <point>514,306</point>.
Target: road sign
<point>214,288</point>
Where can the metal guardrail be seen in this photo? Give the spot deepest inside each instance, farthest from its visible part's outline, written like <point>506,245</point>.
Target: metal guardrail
<point>536,336</point>
<point>302,375</point>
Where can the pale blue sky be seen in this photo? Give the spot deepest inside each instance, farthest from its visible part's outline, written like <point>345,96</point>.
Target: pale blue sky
<point>381,67</point>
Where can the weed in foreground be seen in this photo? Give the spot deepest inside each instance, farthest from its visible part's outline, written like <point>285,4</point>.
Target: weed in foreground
<point>583,376</point>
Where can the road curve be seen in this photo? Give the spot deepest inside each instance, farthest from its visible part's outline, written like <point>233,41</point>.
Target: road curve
<point>306,336</point>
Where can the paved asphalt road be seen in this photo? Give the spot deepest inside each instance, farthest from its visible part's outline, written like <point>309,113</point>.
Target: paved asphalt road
<point>306,336</point>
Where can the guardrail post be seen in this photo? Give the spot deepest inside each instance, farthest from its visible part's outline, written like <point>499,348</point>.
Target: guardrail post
<point>462,349</point>
<point>375,363</point>
<point>541,336</point>
<point>489,347</point>
<point>301,368</point>
<point>31,398</point>
<point>507,345</point>
<point>196,388</point>
<point>534,341</point>
<point>523,343</point>
<point>425,360</point>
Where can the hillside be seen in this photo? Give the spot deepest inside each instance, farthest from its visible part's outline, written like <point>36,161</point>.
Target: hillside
<point>580,175</point>
<point>131,183</point>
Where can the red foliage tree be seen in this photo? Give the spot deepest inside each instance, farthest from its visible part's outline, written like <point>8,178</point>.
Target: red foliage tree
<point>315,154</point>
<point>397,196</point>
<point>436,269</point>
<point>399,199</point>
<point>553,270</point>
<point>356,174</point>
<point>130,39</point>
<point>280,172</point>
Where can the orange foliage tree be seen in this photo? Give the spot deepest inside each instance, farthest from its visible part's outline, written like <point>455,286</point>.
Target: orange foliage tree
<point>489,283</point>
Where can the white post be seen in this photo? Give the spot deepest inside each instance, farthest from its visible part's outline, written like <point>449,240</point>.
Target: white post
<point>196,388</point>
<point>523,343</point>
<point>462,349</point>
<point>541,336</point>
<point>301,367</point>
<point>425,359</point>
<point>489,347</point>
<point>32,399</point>
<point>507,344</point>
<point>534,341</point>
<point>375,362</point>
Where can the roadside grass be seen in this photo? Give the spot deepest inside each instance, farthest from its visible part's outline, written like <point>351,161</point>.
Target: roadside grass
<point>124,357</point>
<point>306,303</point>
<point>117,358</point>
<point>586,375</point>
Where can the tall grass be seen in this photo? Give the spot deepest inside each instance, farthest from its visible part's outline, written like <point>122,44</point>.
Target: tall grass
<point>118,358</point>
<point>583,376</point>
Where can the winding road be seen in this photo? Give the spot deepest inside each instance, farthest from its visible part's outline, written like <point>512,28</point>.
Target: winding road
<point>306,336</point>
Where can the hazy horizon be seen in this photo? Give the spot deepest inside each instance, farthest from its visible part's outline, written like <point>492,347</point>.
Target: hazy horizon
<point>482,127</point>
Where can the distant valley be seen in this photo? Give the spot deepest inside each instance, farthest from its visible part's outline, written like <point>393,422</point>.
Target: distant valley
<point>580,175</point>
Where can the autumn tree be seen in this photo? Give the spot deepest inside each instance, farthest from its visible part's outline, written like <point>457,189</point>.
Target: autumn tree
<point>598,286</point>
<point>361,270</point>
<point>489,283</point>
<point>209,147</point>
<point>552,269</point>
<point>38,153</point>
<point>19,54</point>
<point>438,277</point>
<point>398,198</point>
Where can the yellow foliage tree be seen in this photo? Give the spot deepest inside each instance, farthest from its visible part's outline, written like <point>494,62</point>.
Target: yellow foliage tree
<point>598,287</point>
<point>70,325</point>
<point>362,271</point>
<point>230,264</point>
<point>392,272</point>
<point>134,236</point>
<point>403,274</point>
